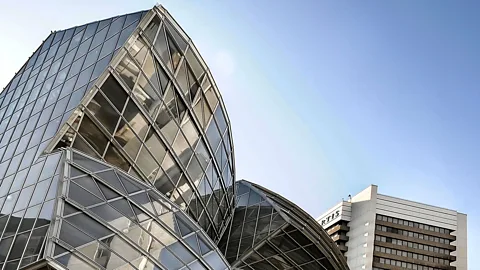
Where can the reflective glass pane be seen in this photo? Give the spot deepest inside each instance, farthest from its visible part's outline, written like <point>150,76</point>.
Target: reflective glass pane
<point>104,112</point>
<point>115,93</point>
<point>152,28</point>
<point>93,135</point>
<point>128,70</point>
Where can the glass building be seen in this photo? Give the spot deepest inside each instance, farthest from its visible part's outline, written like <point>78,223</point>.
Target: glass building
<point>270,232</point>
<point>116,153</point>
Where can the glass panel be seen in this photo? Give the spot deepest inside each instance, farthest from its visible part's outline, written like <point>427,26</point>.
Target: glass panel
<point>99,37</point>
<point>161,46</point>
<point>112,216</point>
<point>220,118</point>
<point>89,225</point>
<point>84,77</point>
<point>167,125</point>
<point>182,78</point>
<point>113,157</point>
<point>81,196</point>
<point>212,98</point>
<point>76,67</point>
<point>75,40</point>
<point>135,119</point>
<point>175,53</point>
<point>104,112</point>
<point>109,46</point>
<point>127,139</point>
<point>115,93</point>
<point>116,26</point>
<point>214,260</point>
<point>180,41</point>
<point>18,246</point>
<point>125,34</point>
<point>9,203</point>
<point>103,24</point>
<point>155,145</point>
<point>93,135</point>
<point>100,66</point>
<point>213,136</point>
<point>76,98</point>
<point>73,236</point>
<point>40,192</point>
<point>83,49</point>
<point>181,252</point>
<point>92,57</point>
<point>61,52</point>
<point>90,30</point>
<point>169,260</point>
<point>147,96</point>
<point>138,50</point>
<point>107,192</point>
<point>128,71</point>
<point>88,183</point>
<point>83,146</point>
<point>111,178</point>
<point>24,198</point>
<point>147,164</point>
<point>152,28</point>
<point>124,207</point>
<point>194,64</point>
<point>130,186</point>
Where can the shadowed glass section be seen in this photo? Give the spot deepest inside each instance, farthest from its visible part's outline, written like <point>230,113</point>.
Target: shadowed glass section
<point>27,200</point>
<point>270,232</point>
<point>157,115</point>
<point>111,220</point>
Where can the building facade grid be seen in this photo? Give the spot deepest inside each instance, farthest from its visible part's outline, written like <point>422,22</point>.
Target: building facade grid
<point>116,153</point>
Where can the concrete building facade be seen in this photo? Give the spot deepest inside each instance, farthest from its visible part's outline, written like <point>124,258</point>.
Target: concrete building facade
<point>376,231</point>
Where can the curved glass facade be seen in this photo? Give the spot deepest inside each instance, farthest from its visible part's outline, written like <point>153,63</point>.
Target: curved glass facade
<point>156,114</point>
<point>106,218</point>
<point>270,232</point>
<point>116,153</point>
<point>99,216</point>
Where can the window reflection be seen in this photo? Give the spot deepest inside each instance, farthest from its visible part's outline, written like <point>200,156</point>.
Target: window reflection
<point>167,125</point>
<point>93,135</point>
<point>104,112</point>
<point>152,28</point>
<point>213,135</point>
<point>138,50</point>
<point>128,70</point>
<point>113,157</point>
<point>194,64</point>
<point>147,164</point>
<point>147,95</point>
<point>114,92</point>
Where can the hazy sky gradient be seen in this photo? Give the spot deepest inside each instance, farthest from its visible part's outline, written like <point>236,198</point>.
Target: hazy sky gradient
<point>325,97</point>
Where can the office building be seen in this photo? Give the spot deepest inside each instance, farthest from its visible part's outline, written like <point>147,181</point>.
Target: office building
<point>116,152</point>
<point>376,231</point>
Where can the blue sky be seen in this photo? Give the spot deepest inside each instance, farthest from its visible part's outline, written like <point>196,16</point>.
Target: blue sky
<point>326,97</point>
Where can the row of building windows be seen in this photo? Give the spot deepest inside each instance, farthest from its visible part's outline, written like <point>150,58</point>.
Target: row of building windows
<point>412,234</point>
<point>403,264</point>
<point>413,224</point>
<point>412,255</point>
<point>411,244</point>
